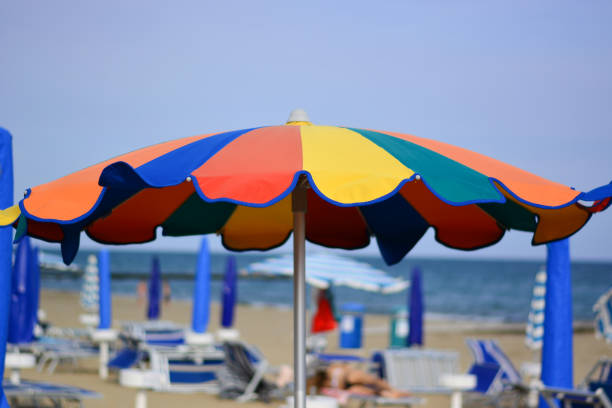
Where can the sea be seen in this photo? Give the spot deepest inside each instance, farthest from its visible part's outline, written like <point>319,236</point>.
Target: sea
<point>466,289</point>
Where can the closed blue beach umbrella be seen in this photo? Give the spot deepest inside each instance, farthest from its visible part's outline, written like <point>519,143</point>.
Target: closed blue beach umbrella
<point>35,293</point>
<point>153,310</point>
<point>229,294</point>
<point>6,244</point>
<point>201,291</point>
<point>415,333</point>
<point>557,341</point>
<point>21,329</point>
<point>104,279</point>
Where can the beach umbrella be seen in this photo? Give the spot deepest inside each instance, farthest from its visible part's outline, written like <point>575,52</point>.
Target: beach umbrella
<point>35,279</point>
<point>325,270</point>
<point>229,294</point>
<point>534,333</point>
<point>6,246</point>
<point>333,186</point>
<point>201,291</point>
<point>21,324</point>
<point>155,286</point>
<point>90,287</point>
<point>104,295</point>
<point>603,316</point>
<point>557,340</point>
<point>415,331</point>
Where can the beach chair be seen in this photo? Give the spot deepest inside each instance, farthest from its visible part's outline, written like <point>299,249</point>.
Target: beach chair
<point>594,391</point>
<point>52,351</point>
<point>575,398</point>
<point>242,376</point>
<point>126,357</point>
<point>180,370</point>
<point>599,377</point>
<point>488,351</point>
<point>416,371</point>
<point>34,393</point>
<point>154,333</point>
<point>186,369</point>
<point>139,337</point>
<point>498,382</point>
<point>332,357</point>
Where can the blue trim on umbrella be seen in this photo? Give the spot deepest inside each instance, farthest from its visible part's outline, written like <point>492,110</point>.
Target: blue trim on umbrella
<point>546,207</point>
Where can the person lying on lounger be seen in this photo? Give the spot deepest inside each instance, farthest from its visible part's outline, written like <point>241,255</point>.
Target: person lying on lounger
<point>342,376</point>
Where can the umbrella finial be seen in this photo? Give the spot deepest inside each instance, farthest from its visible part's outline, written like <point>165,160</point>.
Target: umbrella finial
<point>298,117</point>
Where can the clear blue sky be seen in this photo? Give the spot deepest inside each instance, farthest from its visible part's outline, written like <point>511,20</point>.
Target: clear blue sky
<point>526,82</point>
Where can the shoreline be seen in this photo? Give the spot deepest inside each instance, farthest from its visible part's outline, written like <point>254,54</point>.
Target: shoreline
<point>455,322</point>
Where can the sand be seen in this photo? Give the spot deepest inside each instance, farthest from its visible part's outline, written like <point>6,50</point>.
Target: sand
<point>271,330</point>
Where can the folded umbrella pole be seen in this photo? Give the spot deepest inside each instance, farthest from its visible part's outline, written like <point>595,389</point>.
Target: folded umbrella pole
<point>200,316</point>
<point>154,291</point>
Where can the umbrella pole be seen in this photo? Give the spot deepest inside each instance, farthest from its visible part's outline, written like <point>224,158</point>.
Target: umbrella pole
<point>299,295</point>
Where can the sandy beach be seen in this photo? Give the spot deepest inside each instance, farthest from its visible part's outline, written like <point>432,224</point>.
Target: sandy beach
<point>271,330</point>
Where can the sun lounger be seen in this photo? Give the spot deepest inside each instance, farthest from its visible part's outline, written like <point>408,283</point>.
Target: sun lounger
<point>186,369</point>
<point>36,393</point>
<point>574,398</point>
<point>599,377</point>
<point>51,351</point>
<point>347,358</point>
<point>242,375</point>
<point>155,333</point>
<point>138,337</point>
<point>488,351</point>
<point>54,351</point>
<point>488,378</point>
<point>125,358</point>
<point>497,380</point>
<point>417,371</point>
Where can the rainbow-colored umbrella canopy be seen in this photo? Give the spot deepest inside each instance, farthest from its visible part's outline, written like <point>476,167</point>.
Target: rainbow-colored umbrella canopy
<point>362,183</point>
